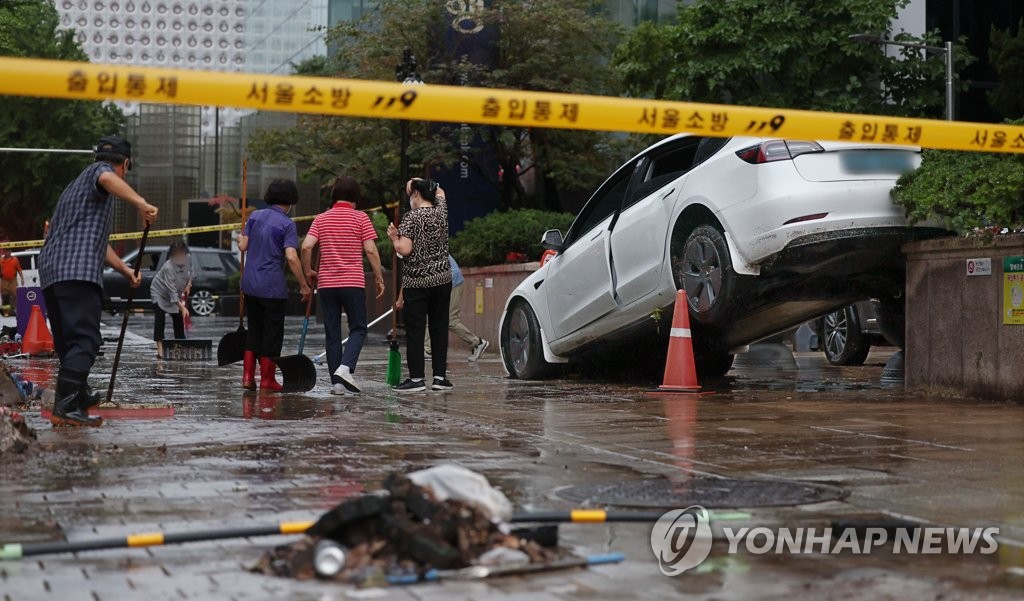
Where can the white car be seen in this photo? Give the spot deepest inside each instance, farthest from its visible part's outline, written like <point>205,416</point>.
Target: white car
<point>763,234</point>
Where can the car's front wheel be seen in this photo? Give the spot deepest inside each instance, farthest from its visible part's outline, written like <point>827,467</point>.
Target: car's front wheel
<point>520,344</point>
<point>202,303</point>
<point>842,339</point>
<point>703,268</point>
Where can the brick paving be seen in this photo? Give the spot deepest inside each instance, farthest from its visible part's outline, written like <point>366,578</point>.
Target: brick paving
<point>229,458</point>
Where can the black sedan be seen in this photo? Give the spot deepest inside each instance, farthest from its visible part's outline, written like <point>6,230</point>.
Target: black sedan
<point>211,269</point>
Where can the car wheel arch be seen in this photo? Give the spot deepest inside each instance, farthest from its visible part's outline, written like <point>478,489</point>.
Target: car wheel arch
<point>696,214</point>
<point>542,321</point>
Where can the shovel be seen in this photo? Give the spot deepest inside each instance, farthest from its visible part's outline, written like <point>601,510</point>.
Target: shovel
<point>297,370</point>
<point>127,312</point>
<point>231,348</point>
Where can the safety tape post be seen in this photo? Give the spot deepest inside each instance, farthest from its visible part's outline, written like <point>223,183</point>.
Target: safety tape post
<point>386,100</point>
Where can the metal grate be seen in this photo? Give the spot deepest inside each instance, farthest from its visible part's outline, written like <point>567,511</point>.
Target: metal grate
<point>702,490</point>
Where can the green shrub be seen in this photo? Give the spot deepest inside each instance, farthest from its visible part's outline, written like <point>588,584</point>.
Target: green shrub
<point>488,240</point>
<point>967,190</point>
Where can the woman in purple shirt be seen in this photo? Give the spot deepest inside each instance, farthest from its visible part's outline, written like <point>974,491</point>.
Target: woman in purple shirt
<point>270,238</point>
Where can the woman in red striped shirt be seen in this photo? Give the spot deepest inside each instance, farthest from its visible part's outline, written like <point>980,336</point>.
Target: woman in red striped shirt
<point>343,234</point>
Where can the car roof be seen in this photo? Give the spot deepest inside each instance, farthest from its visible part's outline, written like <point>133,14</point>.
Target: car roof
<point>202,249</point>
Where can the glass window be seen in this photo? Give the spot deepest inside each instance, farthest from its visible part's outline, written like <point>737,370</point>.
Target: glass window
<point>665,165</point>
<point>604,203</point>
<point>150,261</point>
<point>206,261</point>
<point>230,262</point>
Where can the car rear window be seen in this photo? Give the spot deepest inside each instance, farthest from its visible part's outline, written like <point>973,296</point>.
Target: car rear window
<point>208,261</point>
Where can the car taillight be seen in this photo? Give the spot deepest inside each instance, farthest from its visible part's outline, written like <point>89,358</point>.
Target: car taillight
<point>777,150</point>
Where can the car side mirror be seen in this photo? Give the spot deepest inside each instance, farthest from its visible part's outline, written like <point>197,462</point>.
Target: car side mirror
<point>552,240</point>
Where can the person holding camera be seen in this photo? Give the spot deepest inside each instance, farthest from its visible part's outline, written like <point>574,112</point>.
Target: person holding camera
<point>422,240</point>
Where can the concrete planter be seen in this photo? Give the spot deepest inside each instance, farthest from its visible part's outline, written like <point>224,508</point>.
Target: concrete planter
<point>956,338</point>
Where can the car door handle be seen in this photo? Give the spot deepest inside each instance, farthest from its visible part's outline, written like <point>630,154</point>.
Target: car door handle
<point>667,194</point>
<point>596,236</point>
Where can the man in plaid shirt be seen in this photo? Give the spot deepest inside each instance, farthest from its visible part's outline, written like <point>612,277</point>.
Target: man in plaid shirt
<point>71,268</point>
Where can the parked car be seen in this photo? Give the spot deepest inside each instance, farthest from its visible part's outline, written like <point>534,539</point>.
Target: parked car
<point>763,234</point>
<point>847,334</point>
<point>211,268</point>
<point>29,265</point>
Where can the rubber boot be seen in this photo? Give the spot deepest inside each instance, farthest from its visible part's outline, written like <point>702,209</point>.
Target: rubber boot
<point>268,379</point>
<point>70,401</point>
<point>90,398</point>
<point>249,371</point>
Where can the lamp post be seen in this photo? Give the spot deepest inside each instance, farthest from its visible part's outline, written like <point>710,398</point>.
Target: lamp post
<point>946,51</point>
<point>405,72</point>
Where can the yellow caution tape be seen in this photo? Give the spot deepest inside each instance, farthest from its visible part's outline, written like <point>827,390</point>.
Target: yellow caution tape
<point>362,98</point>
<point>172,233</point>
<point>181,231</point>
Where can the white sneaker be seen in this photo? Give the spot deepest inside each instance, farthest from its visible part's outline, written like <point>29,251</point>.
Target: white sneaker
<point>340,390</point>
<point>347,380</point>
<point>478,350</point>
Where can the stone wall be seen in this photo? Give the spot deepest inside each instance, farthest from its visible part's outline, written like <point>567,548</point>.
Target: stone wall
<point>956,338</point>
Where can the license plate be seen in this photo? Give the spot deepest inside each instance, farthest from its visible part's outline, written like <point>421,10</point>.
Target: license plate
<point>873,161</point>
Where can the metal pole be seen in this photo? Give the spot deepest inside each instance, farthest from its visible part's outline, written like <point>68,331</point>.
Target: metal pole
<point>52,150</point>
<point>950,99</point>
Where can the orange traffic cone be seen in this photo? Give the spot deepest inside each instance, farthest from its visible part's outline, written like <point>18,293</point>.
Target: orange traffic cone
<point>680,369</point>
<point>37,339</point>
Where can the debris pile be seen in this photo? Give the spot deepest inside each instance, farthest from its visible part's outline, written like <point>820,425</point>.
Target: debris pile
<point>10,341</point>
<point>404,532</point>
<point>15,435</point>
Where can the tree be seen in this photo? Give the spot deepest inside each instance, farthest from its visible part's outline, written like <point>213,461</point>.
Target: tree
<point>967,190</point>
<point>788,53</point>
<point>549,45</point>
<point>1006,53</point>
<point>32,182</point>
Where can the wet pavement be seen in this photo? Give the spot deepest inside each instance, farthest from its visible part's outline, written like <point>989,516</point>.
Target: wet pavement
<point>228,458</point>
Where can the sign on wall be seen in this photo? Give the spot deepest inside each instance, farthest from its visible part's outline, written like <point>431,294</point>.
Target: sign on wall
<point>1013,291</point>
<point>979,267</point>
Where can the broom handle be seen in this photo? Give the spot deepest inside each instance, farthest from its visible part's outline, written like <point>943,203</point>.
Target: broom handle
<point>394,281</point>
<point>241,263</point>
<point>127,312</point>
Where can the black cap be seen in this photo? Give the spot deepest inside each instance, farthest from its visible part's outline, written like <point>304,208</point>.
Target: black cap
<point>114,145</point>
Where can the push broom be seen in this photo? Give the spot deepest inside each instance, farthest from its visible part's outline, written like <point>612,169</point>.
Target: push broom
<point>394,372</point>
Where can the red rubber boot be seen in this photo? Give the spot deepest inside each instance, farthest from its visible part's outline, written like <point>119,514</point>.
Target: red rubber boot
<point>268,369</point>
<point>249,371</point>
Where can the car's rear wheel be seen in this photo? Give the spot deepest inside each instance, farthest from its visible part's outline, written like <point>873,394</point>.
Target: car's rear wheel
<point>202,303</point>
<point>702,266</point>
<point>521,345</point>
<point>842,339</point>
